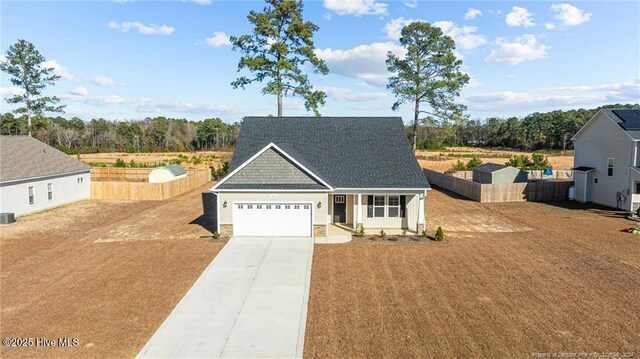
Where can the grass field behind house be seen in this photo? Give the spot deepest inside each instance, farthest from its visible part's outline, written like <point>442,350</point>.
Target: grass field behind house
<point>439,160</point>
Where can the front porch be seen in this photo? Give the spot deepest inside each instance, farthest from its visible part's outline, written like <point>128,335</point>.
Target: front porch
<point>374,211</point>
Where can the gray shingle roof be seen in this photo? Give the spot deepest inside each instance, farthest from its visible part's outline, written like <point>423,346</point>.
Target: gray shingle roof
<point>23,157</point>
<point>489,167</point>
<point>176,170</point>
<point>305,186</point>
<point>634,133</point>
<point>346,152</point>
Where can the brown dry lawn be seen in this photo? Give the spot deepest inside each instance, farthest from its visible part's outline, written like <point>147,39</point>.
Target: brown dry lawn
<point>443,160</point>
<point>105,272</point>
<point>207,158</point>
<point>512,280</point>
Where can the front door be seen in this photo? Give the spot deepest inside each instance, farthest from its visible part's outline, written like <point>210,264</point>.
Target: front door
<point>339,209</point>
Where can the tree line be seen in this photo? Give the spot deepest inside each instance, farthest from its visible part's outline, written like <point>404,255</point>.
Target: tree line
<point>537,131</point>
<point>153,134</point>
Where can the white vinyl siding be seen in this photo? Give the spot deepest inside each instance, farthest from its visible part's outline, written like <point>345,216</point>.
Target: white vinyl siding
<point>15,196</point>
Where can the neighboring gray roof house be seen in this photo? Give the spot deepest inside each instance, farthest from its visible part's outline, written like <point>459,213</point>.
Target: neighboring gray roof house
<point>35,176</point>
<point>355,170</point>
<point>23,157</point>
<point>607,159</point>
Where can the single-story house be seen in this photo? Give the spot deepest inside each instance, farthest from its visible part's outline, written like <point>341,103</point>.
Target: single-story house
<point>35,176</point>
<point>607,159</point>
<point>166,174</point>
<point>296,176</point>
<point>495,173</point>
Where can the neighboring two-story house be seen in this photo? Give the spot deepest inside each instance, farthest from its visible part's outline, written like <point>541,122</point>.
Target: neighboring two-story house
<point>606,159</point>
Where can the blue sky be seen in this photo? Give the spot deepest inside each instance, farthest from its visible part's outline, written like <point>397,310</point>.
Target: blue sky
<point>133,59</point>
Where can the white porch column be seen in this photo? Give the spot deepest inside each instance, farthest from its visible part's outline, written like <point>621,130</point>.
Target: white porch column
<point>420,227</point>
<point>359,212</point>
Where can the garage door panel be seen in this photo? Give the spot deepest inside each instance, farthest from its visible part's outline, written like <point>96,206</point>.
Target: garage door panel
<point>272,219</point>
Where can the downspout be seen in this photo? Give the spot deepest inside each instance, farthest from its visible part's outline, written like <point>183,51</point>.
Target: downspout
<point>586,182</point>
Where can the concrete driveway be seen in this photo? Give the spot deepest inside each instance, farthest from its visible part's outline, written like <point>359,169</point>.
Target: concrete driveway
<point>250,302</point>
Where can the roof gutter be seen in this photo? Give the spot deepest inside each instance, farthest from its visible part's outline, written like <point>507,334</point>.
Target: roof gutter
<point>44,176</point>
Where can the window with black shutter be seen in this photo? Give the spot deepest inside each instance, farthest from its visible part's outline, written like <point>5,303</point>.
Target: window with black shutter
<point>403,206</point>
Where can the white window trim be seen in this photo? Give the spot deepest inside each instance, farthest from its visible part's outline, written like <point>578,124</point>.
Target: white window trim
<point>390,206</point>
<point>31,195</point>
<point>50,191</point>
<point>383,206</point>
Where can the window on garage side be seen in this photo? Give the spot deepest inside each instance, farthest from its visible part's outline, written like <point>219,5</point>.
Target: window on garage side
<point>50,191</point>
<point>31,196</point>
<point>378,206</point>
<point>610,167</point>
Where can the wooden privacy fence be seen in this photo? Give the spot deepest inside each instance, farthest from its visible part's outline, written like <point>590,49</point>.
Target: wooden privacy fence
<point>120,174</point>
<point>533,175</point>
<point>535,191</point>
<point>145,191</point>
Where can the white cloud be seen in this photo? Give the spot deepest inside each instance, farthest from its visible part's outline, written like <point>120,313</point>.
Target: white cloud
<point>348,95</point>
<point>356,7</point>
<point>218,39</point>
<point>59,70</point>
<point>79,91</point>
<point>411,4</point>
<point>464,36</point>
<point>519,16</point>
<point>562,97</point>
<point>570,15</point>
<point>10,91</point>
<point>364,62</point>
<point>105,81</point>
<point>472,13</point>
<point>202,2</point>
<point>142,28</point>
<point>523,48</point>
<point>393,28</point>
<point>549,25</point>
<point>152,106</point>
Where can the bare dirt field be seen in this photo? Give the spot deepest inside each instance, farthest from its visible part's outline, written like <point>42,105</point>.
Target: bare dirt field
<point>105,272</point>
<point>512,280</point>
<point>442,160</point>
<point>199,159</point>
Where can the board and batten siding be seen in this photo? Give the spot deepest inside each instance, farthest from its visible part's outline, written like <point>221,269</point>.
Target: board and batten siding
<point>409,221</point>
<point>319,214</point>
<point>14,196</point>
<point>271,167</point>
<point>601,140</point>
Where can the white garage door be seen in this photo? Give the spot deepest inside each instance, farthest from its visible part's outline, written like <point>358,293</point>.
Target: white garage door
<point>272,219</point>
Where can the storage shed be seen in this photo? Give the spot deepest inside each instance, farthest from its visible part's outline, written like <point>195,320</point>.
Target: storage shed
<point>167,174</point>
<point>493,173</point>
